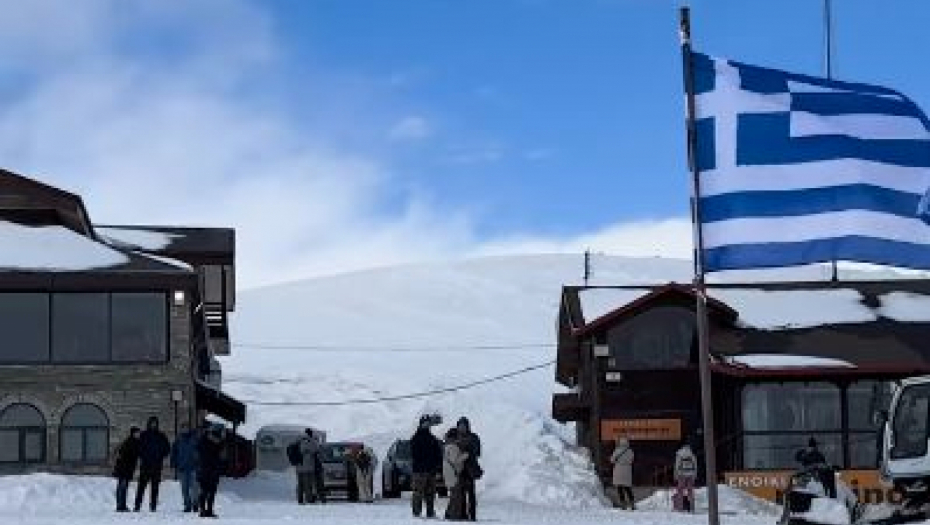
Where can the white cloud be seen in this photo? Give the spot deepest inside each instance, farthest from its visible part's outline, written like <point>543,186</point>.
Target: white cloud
<point>171,139</point>
<point>412,127</point>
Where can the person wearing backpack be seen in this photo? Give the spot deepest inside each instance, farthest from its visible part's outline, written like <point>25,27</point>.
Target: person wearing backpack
<point>303,454</point>
<point>685,475</point>
<point>365,463</point>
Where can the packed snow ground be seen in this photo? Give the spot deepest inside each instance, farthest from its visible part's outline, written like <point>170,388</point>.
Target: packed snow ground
<point>44,499</point>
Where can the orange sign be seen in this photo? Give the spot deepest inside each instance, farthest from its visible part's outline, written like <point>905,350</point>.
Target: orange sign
<point>771,485</point>
<point>641,429</point>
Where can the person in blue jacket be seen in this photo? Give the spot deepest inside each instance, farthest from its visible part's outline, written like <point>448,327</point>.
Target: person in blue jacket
<point>185,459</point>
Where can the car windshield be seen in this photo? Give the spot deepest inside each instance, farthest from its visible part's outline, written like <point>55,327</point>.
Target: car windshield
<point>334,452</point>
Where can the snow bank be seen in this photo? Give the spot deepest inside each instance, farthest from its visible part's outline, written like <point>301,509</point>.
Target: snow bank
<point>730,500</point>
<point>825,511</point>
<point>75,496</point>
<point>53,248</point>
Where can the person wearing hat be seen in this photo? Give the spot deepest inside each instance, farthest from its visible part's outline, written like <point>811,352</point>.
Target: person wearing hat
<point>127,457</point>
<point>426,456</point>
<point>811,458</point>
<point>211,464</point>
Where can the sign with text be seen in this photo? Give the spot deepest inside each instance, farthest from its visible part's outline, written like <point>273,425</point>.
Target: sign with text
<point>772,485</point>
<point>641,429</point>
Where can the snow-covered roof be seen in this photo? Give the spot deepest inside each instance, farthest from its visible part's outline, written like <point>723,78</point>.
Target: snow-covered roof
<point>787,361</point>
<point>778,309</point>
<point>136,238</point>
<point>905,306</point>
<point>789,309</point>
<point>54,248</point>
<point>598,302</point>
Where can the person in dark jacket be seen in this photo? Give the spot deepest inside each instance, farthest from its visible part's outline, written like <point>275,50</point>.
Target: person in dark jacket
<point>426,459</point>
<point>470,443</point>
<point>127,457</point>
<point>185,458</point>
<point>812,459</point>
<point>211,450</point>
<point>153,449</point>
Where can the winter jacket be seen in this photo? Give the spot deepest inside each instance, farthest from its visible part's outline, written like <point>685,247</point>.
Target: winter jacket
<point>153,449</point>
<point>127,457</point>
<point>453,464</point>
<point>210,452</point>
<point>184,453</point>
<point>686,465</point>
<point>425,452</point>
<point>372,459</point>
<point>622,458</point>
<point>811,457</point>
<point>310,451</point>
<point>470,443</point>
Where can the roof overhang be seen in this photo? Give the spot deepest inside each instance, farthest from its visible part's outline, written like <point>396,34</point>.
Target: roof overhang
<point>218,403</point>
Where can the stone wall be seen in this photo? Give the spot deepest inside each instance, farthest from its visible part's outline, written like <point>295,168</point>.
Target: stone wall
<point>128,393</point>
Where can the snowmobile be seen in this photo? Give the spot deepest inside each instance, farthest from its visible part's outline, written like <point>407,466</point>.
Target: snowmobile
<point>810,501</point>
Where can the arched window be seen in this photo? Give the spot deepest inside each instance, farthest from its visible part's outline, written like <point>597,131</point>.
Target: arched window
<point>85,435</point>
<point>22,434</point>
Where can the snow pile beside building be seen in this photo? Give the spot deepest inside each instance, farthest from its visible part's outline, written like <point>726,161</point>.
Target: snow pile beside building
<point>731,501</point>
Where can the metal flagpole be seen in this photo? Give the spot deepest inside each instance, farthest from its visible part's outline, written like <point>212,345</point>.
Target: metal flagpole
<point>700,290</point>
<point>828,71</point>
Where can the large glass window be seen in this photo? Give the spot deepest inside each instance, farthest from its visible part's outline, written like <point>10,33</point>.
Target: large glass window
<point>778,419</point>
<point>138,327</point>
<point>909,422</point>
<point>659,338</point>
<point>865,399</point>
<point>22,434</point>
<point>80,328</point>
<point>24,324</point>
<point>85,435</point>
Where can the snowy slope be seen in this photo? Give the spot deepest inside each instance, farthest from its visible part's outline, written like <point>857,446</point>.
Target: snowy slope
<point>409,329</point>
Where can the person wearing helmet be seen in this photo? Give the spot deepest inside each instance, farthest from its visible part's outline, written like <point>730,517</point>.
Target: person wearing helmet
<point>426,456</point>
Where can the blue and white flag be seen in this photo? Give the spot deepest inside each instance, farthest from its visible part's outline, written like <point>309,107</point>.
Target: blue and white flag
<point>797,169</point>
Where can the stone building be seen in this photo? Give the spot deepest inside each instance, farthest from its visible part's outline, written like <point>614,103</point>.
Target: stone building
<point>103,327</point>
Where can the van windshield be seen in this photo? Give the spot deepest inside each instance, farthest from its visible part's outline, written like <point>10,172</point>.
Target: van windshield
<point>910,422</point>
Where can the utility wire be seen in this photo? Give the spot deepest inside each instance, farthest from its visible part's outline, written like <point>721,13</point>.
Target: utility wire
<point>389,348</point>
<point>417,395</point>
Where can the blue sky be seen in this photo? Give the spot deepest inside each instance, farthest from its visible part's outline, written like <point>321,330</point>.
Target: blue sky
<point>339,135</point>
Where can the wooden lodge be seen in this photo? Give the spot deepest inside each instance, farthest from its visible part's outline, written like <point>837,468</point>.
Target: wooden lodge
<point>789,361</point>
<point>103,327</point>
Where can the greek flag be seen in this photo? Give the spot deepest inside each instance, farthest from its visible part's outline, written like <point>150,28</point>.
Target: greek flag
<point>797,169</point>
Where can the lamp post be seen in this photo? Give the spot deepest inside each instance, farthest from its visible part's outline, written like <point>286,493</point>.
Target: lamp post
<point>176,397</point>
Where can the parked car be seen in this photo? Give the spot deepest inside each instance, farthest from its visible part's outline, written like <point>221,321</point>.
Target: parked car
<point>397,471</point>
<point>338,470</point>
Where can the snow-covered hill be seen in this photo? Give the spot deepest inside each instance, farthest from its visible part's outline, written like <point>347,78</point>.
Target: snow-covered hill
<point>410,329</point>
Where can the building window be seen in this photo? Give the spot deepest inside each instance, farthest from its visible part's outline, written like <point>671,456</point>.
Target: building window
<point>659,338</point>
<point>865,399</point>
<point>22,434</point>
<point>24,324</point>
<point>138,327</point>
<point>80,328</point>
<point>84,435</point>
<point>778,420</point>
